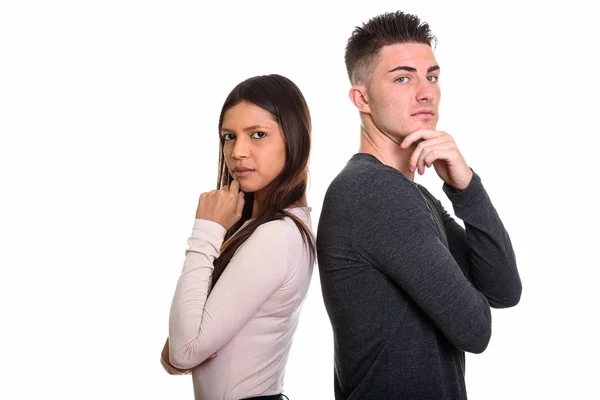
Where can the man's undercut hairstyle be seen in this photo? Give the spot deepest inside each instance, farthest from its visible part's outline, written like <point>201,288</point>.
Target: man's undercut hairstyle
<point>390,28</point>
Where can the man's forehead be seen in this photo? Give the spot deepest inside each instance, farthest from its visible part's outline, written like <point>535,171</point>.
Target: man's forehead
<point>416,55</point>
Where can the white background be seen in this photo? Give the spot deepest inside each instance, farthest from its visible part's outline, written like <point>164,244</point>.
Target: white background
<point>108,117</point>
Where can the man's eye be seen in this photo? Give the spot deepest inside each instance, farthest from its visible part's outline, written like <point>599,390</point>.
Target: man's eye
<point>258,135</point>
<point>433,78</point>
<point>402,79</point>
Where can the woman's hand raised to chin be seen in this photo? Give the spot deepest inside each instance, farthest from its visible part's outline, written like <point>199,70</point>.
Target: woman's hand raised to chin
<point>223,206</point>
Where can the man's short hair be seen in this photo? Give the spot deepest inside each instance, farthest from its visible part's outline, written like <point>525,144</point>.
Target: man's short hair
<point>390,28</point>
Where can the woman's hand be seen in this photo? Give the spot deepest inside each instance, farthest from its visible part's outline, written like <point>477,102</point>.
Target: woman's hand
<point>223,206</point>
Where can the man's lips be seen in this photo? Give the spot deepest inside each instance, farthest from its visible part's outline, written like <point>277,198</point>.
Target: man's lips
<point>424,113</point>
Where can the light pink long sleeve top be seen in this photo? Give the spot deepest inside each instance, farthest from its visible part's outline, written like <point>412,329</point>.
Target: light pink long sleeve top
<point>251,315</point>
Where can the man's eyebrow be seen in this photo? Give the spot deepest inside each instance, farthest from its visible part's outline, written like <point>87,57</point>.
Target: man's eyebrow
<point>411,69</point>
<point>403,68</point>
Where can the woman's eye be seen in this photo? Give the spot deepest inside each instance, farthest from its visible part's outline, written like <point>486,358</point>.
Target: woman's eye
<point>258,135</point>
<point>228,136</point>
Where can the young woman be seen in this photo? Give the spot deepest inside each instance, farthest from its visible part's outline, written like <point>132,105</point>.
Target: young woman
<point>251,253</point>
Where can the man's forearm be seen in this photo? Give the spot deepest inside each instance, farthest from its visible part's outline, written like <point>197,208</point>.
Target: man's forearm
<point>493,268</point>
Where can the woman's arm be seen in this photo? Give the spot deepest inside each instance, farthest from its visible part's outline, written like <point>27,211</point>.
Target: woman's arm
<point>164,360</point>
<point>171,369</point>
<point>199,324</point>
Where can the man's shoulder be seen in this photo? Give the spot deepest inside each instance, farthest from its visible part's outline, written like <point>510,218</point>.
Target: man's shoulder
<point>364,173</point>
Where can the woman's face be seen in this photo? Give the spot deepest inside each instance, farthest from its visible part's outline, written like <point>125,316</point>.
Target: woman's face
<point>254,146</point>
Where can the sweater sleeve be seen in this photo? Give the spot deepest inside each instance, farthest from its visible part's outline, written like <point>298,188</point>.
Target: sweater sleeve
<point>395,231</point>
<point>199,324</point>
<point>489,259</point>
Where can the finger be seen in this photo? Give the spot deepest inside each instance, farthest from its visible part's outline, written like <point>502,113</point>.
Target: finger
<point>420,134</point>
<point>234,187</point>
<point>240,205</point>
<point>214,355</point>
<point>427,157</point>
<point>417,154</point>
<point>427,149</point>
<point>437,154</point>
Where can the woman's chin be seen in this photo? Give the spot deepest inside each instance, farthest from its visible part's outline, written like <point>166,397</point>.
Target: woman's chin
<point>247,188</point>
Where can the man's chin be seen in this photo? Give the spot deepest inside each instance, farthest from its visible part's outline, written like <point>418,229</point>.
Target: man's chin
<point>426,124</point>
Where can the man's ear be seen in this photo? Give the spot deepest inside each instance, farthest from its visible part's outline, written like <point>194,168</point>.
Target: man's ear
<point>358,97</point>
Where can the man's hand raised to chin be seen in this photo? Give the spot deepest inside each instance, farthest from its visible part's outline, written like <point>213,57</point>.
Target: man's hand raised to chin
<point>438,148</point>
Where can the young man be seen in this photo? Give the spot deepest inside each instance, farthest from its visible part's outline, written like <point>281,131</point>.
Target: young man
<point>407,289</point>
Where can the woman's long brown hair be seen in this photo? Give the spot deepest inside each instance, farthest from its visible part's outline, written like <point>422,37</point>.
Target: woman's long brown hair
<point>283,100</point>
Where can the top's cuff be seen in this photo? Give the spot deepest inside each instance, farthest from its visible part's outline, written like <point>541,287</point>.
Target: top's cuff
<point>463,197</point>
<point>211,228</point>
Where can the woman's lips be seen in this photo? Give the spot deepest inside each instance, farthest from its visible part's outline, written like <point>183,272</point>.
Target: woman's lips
<point>242,172</point>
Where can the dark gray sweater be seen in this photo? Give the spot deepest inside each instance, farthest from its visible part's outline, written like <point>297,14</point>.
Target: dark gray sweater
<point>406,288</point>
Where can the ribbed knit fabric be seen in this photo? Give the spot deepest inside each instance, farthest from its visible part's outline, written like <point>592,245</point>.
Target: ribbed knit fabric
<point>251,315</point>
<point>406,288</point>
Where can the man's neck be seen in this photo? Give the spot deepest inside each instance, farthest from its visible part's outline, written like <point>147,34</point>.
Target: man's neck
<point>386,150</point>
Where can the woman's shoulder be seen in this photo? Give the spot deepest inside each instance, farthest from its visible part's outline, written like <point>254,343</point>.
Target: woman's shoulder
<point>301,212</point>
<point>285,231</point>
<point>287,225</point>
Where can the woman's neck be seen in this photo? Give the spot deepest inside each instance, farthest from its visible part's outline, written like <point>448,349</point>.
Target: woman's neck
<point>259,201</point>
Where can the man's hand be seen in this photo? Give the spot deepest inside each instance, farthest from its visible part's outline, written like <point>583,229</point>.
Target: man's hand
<point>438,149</point>
<point>223,206</point>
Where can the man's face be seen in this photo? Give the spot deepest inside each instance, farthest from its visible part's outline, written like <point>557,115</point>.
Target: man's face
<point>404,94</point>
